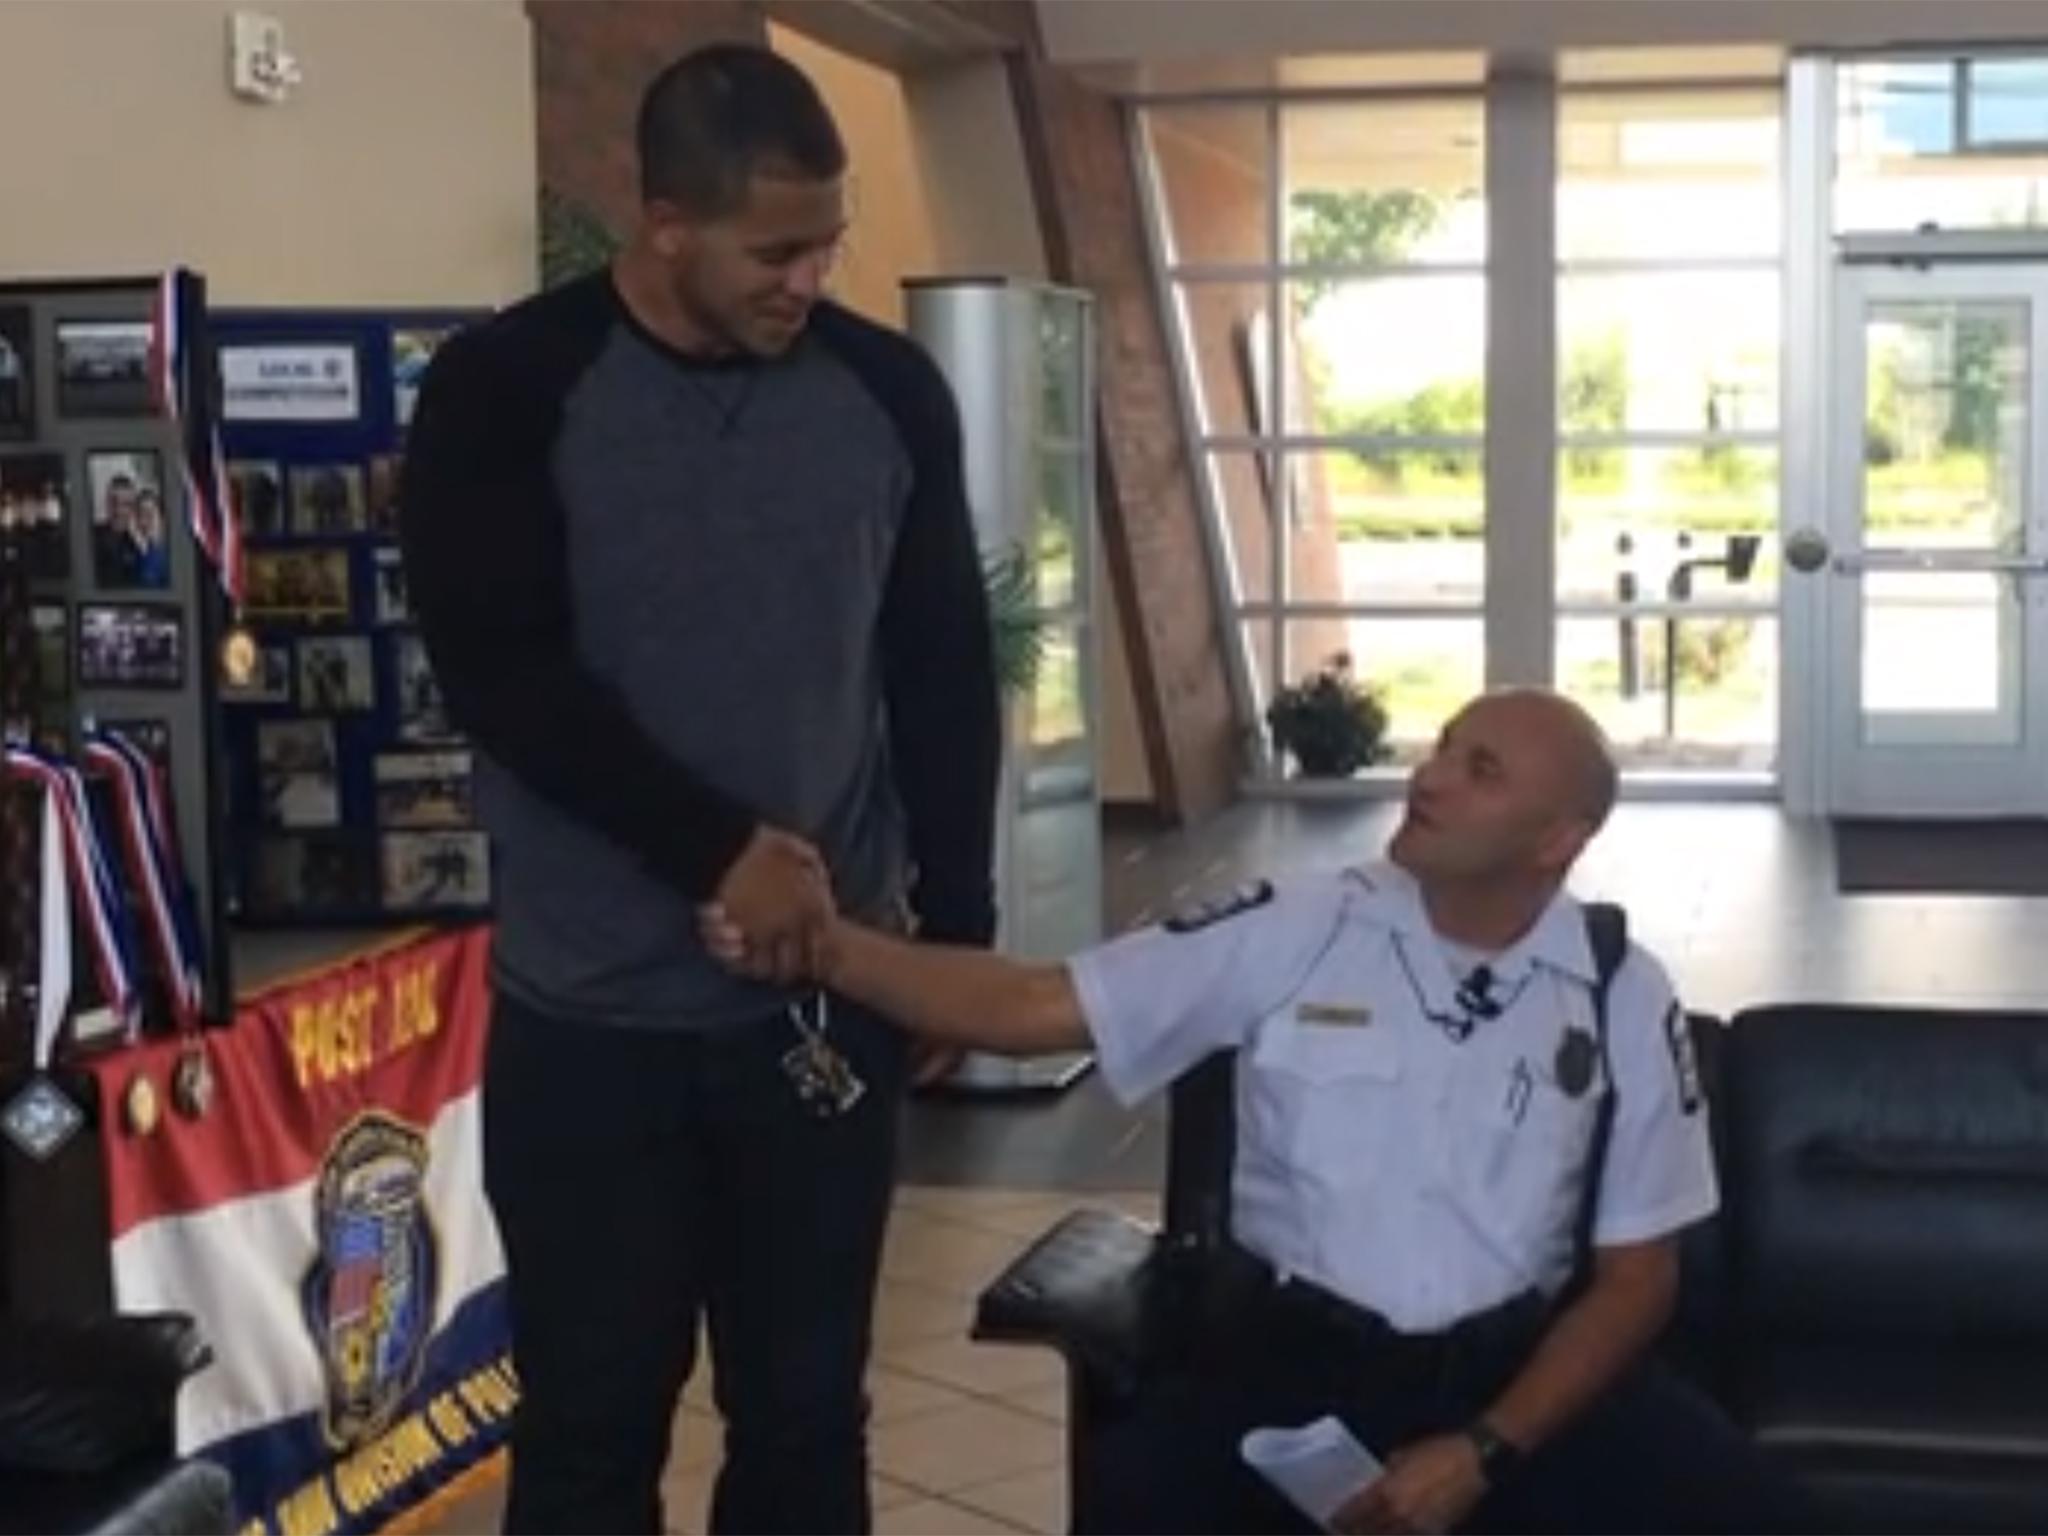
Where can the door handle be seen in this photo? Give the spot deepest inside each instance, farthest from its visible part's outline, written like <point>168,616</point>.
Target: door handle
<point>1853,562</point>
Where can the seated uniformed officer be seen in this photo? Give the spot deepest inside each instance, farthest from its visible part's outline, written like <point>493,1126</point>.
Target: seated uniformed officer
<point>1419,1081</point>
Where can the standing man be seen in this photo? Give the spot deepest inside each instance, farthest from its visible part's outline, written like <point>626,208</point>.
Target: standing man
<point>692,556</point>
<point>1435,1116</point>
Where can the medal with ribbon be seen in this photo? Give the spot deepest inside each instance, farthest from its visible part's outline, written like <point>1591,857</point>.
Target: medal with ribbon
<point>203,465</point>
<point>41,1117</point>
<point>156,874</point>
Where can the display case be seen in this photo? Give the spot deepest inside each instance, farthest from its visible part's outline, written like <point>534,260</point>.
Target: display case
<point>1020,359</point>
<point>103,392</point>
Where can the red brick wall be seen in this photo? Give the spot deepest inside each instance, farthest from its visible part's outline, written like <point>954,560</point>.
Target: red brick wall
<point>592,59</point>
<point>1152,536</point>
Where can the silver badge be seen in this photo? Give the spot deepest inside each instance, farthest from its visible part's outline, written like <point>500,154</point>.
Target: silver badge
<point>41,1118</point>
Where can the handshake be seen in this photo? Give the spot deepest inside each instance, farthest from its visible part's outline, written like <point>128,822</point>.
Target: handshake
<point>773,918</point>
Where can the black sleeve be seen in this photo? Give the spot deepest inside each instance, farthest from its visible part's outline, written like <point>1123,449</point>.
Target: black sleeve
<point>485,557</point>
<point>945,721</point>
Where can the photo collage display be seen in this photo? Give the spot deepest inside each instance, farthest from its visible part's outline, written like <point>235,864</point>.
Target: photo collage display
<point>79,443</point>
<point>353,794</point>
<point>90,494</point>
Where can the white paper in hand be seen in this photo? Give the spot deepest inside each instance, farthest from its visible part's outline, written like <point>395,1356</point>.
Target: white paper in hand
<point>1319,1466</point>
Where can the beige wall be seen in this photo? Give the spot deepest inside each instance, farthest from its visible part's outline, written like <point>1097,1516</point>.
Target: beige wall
<point>970,157</point>
<point>1078,31</point>
<point>400,173</point>
<point>891,238</point>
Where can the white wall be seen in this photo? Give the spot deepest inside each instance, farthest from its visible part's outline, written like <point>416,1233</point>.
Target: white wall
<point>1093,31</point>
<point>400,173</point>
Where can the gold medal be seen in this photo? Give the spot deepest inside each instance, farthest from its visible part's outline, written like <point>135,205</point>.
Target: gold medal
<point>238,657</point>
<point>192,1085</point>
<point>140,1106</point>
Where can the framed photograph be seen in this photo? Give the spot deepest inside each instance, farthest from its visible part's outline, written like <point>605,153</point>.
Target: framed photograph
<point>258,488</point>
<point>150,737</point>
<point>327,500</point>
<point>51,624</point>
<point>131,645</point>
<point>336,675</point>
<point>422,712</point>
<point>426,871</point>
<point>393,605</point>
<point>270,683</point>
<point>17,372</point>
<point>103,368</point>
<point>35,495</point>
<point>385,471</point>
<point>131,540</point>
<point>303,586</point>
<point>411,350</point>
<point>299,773</point>
<point>312,875</point>
<point>425,790</point>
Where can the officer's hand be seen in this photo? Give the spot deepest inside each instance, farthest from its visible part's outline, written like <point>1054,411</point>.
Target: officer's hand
<point>1429,1486</point>
<point>778,898</point>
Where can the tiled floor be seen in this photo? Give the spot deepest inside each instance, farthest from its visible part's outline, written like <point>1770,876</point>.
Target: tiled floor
<point>966,1437</point>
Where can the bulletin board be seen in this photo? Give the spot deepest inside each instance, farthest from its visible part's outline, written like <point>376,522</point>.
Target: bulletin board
<point>351,797</point>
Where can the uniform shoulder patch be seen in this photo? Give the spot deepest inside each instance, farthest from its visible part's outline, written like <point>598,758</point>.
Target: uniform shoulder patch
<point>1220,909</point>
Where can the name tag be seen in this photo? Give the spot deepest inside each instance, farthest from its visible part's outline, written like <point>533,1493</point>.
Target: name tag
<point>1333,1014</point>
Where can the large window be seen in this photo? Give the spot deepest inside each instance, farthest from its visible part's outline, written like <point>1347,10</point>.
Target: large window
<point>1324,262</point>
<point>1942,143</point>
<point>1670,265</point>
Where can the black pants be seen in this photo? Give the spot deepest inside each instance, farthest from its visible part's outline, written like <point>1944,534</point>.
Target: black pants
<point>1652,1455</point>
<point>642,1180</point>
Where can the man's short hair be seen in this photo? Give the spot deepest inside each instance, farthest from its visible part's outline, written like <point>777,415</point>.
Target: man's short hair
<point>717,117</point>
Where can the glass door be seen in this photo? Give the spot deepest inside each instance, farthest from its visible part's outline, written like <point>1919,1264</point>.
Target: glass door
<point>1934,556</point>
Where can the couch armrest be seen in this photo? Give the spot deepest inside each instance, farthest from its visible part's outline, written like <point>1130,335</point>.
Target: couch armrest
<point>1095,1287</point>
<point>80,1395</point>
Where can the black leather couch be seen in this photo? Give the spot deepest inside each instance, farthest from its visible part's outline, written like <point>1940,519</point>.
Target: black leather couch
<point>1872,1302</point>
<point>87,1429</point>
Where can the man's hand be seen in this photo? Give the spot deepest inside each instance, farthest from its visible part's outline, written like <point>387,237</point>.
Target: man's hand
<point>931,1062</point>
<point>1428,1487</point>
<point>778,899</point>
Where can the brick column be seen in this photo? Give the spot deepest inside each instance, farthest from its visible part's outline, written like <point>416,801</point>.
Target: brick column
<point>592,59</point>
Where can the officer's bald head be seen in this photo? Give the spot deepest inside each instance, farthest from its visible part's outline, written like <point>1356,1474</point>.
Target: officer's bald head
<point>1570,741</point>
<point>1519,782</point>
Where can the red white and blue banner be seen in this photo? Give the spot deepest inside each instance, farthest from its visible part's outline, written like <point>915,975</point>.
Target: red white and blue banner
<point>325,1222</point>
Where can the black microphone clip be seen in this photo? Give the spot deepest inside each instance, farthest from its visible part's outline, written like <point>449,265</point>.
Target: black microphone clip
<point>1475,994</point>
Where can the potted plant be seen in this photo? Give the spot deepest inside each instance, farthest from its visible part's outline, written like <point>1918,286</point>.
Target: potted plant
<point>1330,723</point>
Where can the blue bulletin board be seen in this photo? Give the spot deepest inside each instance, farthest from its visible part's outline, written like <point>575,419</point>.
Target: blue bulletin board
<point>350,798</point>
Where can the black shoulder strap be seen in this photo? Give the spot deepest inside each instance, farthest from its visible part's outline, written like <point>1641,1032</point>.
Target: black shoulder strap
<point>1607,933</point>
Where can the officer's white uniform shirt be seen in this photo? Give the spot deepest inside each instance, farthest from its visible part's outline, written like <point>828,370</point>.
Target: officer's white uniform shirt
<point>1420,1176</point>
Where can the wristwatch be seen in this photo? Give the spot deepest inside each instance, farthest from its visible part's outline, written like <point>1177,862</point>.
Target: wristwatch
<point>1498,1455</point>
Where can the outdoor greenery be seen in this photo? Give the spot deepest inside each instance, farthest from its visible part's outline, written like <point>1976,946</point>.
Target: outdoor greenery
<point>573,240</point>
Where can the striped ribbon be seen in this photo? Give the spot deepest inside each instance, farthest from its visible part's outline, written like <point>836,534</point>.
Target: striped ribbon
<point>95,895</point>
<point>202,461</point>
<point>143,816</point>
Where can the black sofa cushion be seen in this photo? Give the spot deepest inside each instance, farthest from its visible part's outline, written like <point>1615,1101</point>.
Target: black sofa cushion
<point>1887,1175</point>
<point>1907,1439</point>
<point>144,1496</point>
<point>82,1395</point>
